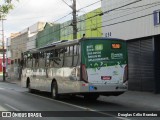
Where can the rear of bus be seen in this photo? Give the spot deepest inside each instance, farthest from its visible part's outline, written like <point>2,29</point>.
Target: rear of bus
<point>104,66</point>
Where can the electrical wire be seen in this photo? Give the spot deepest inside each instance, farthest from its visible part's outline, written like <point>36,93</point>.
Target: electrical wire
<point>129,13</point>
<point>105,12</point>
<point>108,24</point>
<point>67,4</point>
<point>89,5</point>
<point>113,23</point>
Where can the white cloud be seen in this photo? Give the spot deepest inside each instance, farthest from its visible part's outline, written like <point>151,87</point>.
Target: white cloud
<point>28,12</point>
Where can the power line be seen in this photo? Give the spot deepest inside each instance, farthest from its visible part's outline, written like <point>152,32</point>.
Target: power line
<point>67,4</point>
<point>62,17</point>
<point>100,14</point>
<point>77,10</point>
<point>87,14</point>
<point>100,22</point>
<point>123,16</point>
<point>108,24</point>
<point>89,5</point>
<point>140,6</point>
<point>128,20</point>
<point>156,4</point>
<point>130,13</point>
<point>118,22</point>
<point>58,18</point>
<point>122,6</point>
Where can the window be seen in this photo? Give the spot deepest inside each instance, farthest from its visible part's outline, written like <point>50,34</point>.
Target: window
<point>35,60</point>
<point>156,17</point>
<point>71,56</point>
<point>51,58</point>
<point>76,59</point>
<point>41,60</point>
<point>47,58</point>
<point>68,56</point>
<point>29,62</point>
<point>24,60</point>
<point>58,57</point>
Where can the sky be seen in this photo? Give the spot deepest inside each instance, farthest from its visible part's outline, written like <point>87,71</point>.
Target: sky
<point>29,12</point>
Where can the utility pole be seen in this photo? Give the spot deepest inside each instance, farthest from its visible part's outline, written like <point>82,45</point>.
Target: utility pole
<point>4,79</point>
<point>74,22</point>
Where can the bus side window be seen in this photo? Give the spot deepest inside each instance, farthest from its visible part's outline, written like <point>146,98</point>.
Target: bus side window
<point>49,59</point>
<point>76,58</point>
<point>58,59</point>
<point>68,57</point>
<point>29,60</point>
<point>55,58</point>
<point>41,60</point>
<point>24,60</point>
<point>35,60</point>
<point>61,57</point>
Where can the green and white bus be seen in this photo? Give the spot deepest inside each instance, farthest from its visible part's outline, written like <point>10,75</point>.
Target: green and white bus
<point>89,67</point>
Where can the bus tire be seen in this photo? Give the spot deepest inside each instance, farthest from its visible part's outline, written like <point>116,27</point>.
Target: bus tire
<point>54,91</point>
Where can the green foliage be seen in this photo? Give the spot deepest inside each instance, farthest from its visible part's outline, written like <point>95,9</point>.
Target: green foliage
<point>6,7</point>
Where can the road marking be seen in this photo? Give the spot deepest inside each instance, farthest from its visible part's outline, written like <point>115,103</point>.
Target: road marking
<point>12,107</point>
<point>3,109</point>
<point>77,106</point>
<point>58,101</point>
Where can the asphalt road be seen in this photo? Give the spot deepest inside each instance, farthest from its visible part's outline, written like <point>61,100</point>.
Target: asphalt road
<point>15,98</point>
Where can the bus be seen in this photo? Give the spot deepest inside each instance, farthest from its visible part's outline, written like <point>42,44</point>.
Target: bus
<point>89,67</point>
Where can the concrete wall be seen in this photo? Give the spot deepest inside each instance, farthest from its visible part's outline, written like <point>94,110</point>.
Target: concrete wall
<point>113,21</point>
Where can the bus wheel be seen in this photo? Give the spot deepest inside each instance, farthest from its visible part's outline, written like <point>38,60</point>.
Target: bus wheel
<point>91,97</point>
<point>54,91</point>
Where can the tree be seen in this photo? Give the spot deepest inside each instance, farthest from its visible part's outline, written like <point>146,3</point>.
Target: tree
<point>6,6</point>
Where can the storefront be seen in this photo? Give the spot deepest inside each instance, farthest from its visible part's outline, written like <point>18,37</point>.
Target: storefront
<point>138,23</point>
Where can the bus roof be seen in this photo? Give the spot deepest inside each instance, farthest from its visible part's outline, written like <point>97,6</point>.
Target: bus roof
<point>59,44</point>
<point>100,38</point>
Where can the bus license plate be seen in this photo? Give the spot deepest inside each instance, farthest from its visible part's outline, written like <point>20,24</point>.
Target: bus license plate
<point>106,77</point>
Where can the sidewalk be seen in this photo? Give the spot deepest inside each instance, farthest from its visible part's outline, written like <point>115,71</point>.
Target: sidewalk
<point>9,80</point>
<point>134,98</point>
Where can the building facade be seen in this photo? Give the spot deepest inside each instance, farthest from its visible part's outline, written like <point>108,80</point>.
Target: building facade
<point>32,34</point>
<point>21,42</point>
<point>50,33</point>
<point>137,22</point>
<point>88,24</point>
